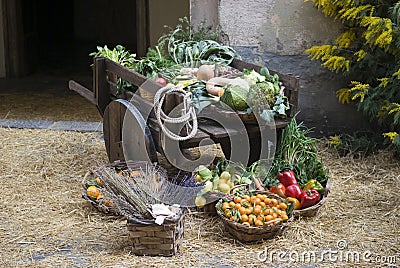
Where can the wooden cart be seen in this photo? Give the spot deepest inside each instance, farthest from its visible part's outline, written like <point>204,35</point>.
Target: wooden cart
<point>147,134</point>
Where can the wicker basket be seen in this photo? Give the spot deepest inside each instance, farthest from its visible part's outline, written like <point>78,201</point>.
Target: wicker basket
<point>98,204</point>
<point>212,199</point>
<point>313,210</point>
<point>252,233</point>
<point>151,239</point>
<point>110,210</point>
<point>125,168</point>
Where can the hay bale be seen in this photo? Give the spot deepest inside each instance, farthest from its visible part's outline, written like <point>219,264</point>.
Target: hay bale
<point>44,221</point>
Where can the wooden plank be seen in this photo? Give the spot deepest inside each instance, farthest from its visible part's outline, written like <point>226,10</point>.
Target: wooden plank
<point>217,132</point>
<point>102,94</point>
<point>193,142</point>
<point>170,103</point>
<point>83,91</point>
<point>125,73</point>
<point>293,96</point>
<point>142,30</point>
<point>115,116</point>
<point>106,133</point>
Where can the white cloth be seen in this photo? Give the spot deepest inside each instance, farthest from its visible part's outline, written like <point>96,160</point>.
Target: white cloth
<point>161,211</point>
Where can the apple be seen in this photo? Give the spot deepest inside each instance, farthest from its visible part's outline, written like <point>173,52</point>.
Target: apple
<point>161,81</point>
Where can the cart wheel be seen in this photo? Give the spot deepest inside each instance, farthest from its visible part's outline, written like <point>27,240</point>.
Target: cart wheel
<point>126,135</point>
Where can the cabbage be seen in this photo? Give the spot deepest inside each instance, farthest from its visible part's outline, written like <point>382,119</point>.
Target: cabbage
<point>235,97</point>
<point>204,172</point>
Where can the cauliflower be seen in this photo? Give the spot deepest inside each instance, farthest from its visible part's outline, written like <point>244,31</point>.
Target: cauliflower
<point>253,77</point>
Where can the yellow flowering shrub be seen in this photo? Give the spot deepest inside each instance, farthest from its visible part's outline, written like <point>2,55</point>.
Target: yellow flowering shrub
<point>368,49</point>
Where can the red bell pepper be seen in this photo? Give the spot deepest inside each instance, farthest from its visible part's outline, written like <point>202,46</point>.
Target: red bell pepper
<point>287,177</point>
<point>309,198</point>
<point>279,190</point>
<point>294,190</point>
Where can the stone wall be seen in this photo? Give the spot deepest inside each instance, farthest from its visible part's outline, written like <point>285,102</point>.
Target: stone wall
<point>276,33</point>
<point>163,13</point>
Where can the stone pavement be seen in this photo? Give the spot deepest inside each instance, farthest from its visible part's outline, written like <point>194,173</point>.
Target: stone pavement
<point>53,125</point>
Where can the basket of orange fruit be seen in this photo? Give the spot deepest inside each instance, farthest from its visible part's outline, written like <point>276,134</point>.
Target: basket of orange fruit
<point>252,215</point>
<point>95,193</point>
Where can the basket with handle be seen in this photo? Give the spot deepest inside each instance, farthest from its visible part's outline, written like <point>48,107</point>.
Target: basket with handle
<point>313,210</point>
<point>149,238</point>
<point>246,233</point>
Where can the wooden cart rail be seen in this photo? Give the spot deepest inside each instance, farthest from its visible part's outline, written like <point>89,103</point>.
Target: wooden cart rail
<point>105,91</point>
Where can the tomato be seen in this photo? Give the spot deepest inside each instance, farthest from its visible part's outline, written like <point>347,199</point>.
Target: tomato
<point>161,81</point>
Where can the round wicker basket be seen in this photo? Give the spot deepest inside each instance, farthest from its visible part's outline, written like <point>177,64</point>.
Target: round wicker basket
<point>212,199</point>
<point>252,233</point>
<point>97,204</point>
<point>313,210</point>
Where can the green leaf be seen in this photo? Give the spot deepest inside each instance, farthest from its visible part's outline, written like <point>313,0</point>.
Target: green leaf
<point>267,115</point>
<point>396,119</point>
<point>246,180</point>
<point>201,99</point>
<point>265,72</point>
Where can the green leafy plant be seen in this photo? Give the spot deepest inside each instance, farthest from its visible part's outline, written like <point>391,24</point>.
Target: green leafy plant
<point>358,144</point>
<point>153,63</point>
<point>122,56</point>
<point>368,49</point>
<point>187,44</point>
<point>118,54</point>
<point>186,31</point>
<point>297,150</point>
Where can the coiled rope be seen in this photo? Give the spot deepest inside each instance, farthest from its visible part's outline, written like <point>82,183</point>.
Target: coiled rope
<point>188,113</point>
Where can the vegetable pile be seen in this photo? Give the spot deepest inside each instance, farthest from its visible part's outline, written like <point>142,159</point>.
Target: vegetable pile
<point>297,171</point>
<point>221,177</point>
<point>195,61</point>
<point>296,174</point>
<point>302,197</point>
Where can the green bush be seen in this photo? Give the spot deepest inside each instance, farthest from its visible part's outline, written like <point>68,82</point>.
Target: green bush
<point>368,49</point>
